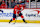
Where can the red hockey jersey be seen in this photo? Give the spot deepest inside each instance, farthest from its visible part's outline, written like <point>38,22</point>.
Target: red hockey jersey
<point>18,9</point>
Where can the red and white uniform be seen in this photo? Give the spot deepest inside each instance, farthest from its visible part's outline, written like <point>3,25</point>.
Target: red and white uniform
<point>18,9</point>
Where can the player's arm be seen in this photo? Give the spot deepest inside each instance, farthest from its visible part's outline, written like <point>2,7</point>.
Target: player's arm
<point>22,8</point>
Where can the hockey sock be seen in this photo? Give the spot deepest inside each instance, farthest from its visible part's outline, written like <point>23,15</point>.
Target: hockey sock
<point>10,21</point>
<point>24,20</point>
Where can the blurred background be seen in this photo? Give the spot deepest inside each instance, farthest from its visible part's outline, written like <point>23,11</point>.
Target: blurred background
<point>25,3</point>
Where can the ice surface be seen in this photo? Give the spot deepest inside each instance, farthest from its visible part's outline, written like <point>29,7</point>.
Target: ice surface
<point>6,24</point>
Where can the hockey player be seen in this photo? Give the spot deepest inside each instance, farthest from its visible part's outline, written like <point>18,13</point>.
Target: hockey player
<point>17,12</point>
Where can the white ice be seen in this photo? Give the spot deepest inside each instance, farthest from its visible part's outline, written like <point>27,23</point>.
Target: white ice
<point>6,24</point>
